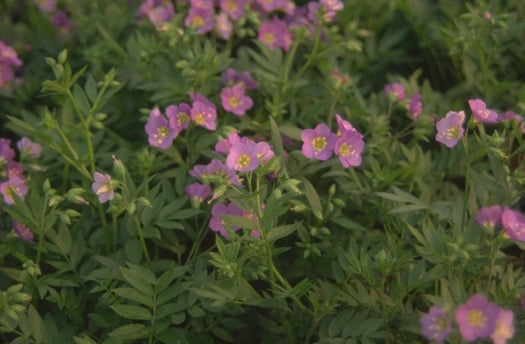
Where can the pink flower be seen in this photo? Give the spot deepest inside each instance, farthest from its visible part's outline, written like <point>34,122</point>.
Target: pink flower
<point>14,185</point>
<point>504,327</point>
<point>435,324</point>
<point>318,143</point>
<point>160,134</point>
<point>271,5</point>
<point>8,59</point>
<point>29,148</point>
<point>200,19</point>
<point>103,187</point>
<point>513,224</point>
<point>450,128</point>
<point>275,34</point>
<point>349,147</point>
<point>231,77</point>
<point>489,217</point>
<point>14,169</point>
<point>198,192</point>
<point>179,116</point>
<point>394,92</point>
<point>233,8</point>
<point>477,318</point>
<point>161,14</point>
<point>481,113</point>
<point>243,157</point>
<point>204,115</point>
<point>343,126</point>
<point>46,6</point>
<point>23,232</point>
<point>61,21</point>
<point>264,152</point>
<point>216,223</point>
<point>6,152</point>
<point>215,171</point>
<point>224,146</point>
<point>415,107</point>
<point>235,101</point>
<point>223,26</point>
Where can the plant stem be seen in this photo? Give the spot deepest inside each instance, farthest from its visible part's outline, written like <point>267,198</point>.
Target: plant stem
<point>142,241</point>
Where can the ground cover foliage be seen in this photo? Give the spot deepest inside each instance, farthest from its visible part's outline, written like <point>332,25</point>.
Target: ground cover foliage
<point>262,171</point>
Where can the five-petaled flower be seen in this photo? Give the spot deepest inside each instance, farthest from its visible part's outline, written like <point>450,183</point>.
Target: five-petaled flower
<point>435,324</point>
<point>450,129</point>
<point>235,101</point>
<point>318,143</point>
<point>160,133</point>
<point>477,318</point>
<point>349,147</point>
<point>22,231</point>
<point>481,113</point>
<point>15,185</point>
<point>103,187</point>
<point>217,224</point>
<point>514,224</point>
<point>489,217</point>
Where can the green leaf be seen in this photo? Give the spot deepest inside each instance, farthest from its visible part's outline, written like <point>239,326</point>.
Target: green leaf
<point>312,197</point>
<point>91,88</point>
<point>134,295</point>
<point>37,326</point>
<point>129,332</point>
<point>281,231</point>
<point>137,281</point>
<point>81,100</point>
<point>132,312</point>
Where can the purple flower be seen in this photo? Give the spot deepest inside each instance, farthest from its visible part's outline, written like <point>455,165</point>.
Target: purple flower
<point>160,134</point>
<point>8,59</point>
<point>243,157</point>
<point>264,152</point>
<point>349,147</point>
<point>161,14</point>
<point>215,171</point>
<point>6,152</point>
<point>513,224</point>
<point>204,115</point>
<point>435,324</point>
<point>318,143</point>
<point>61,21</point>
<point>271,5</point>
<point>200,19</point>
<point>394,92</point>
<point>274,34</point>
<point>476,318</point>
<point>509,116</point>
<point>197,97</point>
<point>231,77</point>
<point>450,128</point>
<point>14,185</point>
<point>481,113</point>
<point>415,106</point>
<point>29,148</point>
<point>224,146</point>
<point>103,187</point>
<point>233,8</point>
<point>489,217</point>
<point>216,223</point>
<point>46,6</point>
<point>22,231</point>
<point>235,101</point>
<point>179,116</point>
<point>332,5</point>
<point>223,26</point>
<point>198,192</point>
<point>14,169</point>
<point>344,126</point>
<point>504,327</point>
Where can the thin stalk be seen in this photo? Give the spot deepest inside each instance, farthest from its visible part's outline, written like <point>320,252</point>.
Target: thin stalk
<point>142,241</point>
<point>467,181</point>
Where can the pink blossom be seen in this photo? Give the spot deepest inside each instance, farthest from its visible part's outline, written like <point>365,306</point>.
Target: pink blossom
<point>179,116</point>
<point>6,152</point>
<point>450,129</point>
<point>14,185</point>
<point>233,8</point>
<point>349,147</point>
<point>489,216</point>
<point>223,26</point>
<point>504,327</point>
<point>160,134</point>
<point>394,92</point>
<point>103,187</point>
<point>46,6</point>
<point>481,113</point>
<point>200,19</point>
<point>415,107</point>
<point>274,34</point>
<point>235,101</point>
<point>477,318</point>
<point>217,224</point>
<point>243,157</point>
<point>23,232</point>
<point>198,192</point>
<point>435,324</point>
<point>204,115</point>
<point>29,148</point>
<point>231,77</point>
<point>318,143</point>
<point>514,224</point>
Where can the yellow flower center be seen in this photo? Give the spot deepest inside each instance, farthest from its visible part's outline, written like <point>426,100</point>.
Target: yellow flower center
<point>231,6</point>
<point>452,133</point>
<point>476,318</point>
<point>182,118</point>
<point>162,132</point>
<point>269,38</point>
<point>233,101</point>
<point>345,149</point>
<point>197,21</point>
<point>106,187</point>
<point>502,330</point>
<point>319,143</point>
<point>243,161</point>
<point>199,118</point>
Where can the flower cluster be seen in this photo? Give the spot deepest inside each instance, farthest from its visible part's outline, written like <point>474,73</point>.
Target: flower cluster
<point>12,171</point>
<point>513,222</point>
<point>395,92</point>
<point>233,96</point>
<point>8,60</point>
<point>243,154</point>
<point>477,319</point>
<point>319,143</point>
<point>163,129</point>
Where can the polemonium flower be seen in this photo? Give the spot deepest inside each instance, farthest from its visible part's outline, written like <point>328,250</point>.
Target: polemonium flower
<point>514,224</point>
<point>14,185</point>
<point>223,26</point>
<point>179,116</point>
<point>348,148</point>
<point>204,115</point>
<point>450,129</point>
<point>198,192</point>
<point>489,217</point>
<point>235,101</point>
<point>233,8</point>
<point>200,19</point>
<point>223,146</point>
<point>6,152</point>
<point>216,223</point>
<point>231,77</point>
<point>481,113</point>
<point>29,148</point>
<point>435,324</point>
<point>318,143</point>
<point>160,134</point>
<point>415,106</point>
<point>504,327</point>
<point>103,187</point>
<point>394,92</point>
<point>22,231</point>
<point>264,152</point>
<point>243,157</point>
<point>477,318</point>
<point>274,34</point>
